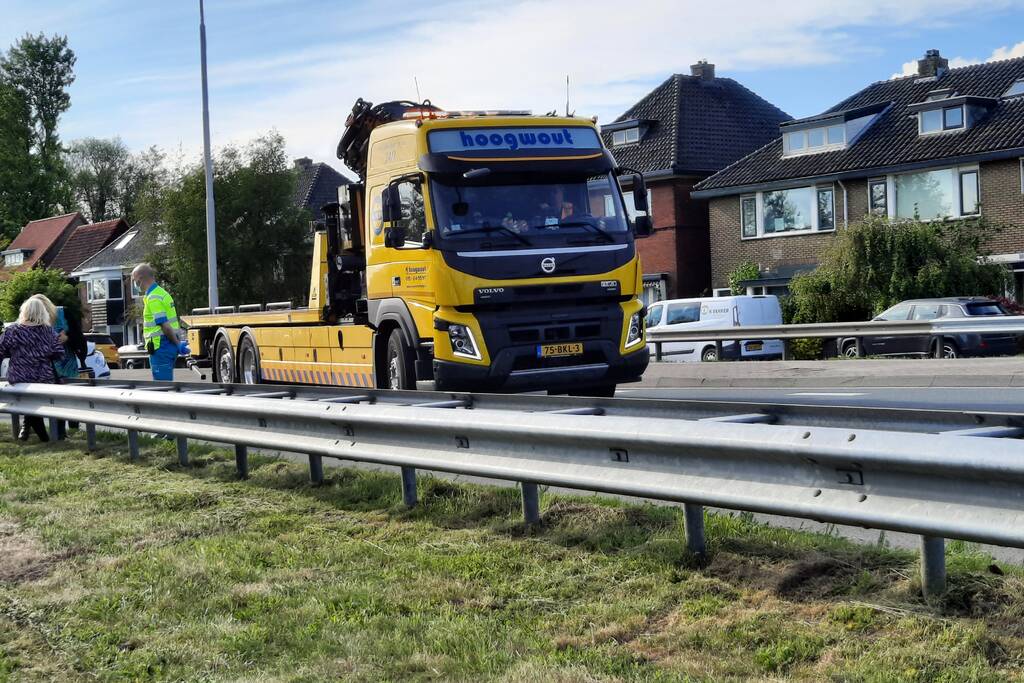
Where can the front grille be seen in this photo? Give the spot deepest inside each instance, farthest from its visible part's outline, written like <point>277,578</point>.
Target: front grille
<point>545,332</point>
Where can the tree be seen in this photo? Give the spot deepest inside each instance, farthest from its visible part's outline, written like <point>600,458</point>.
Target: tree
<point>40,70</point>
<point>46,281</point>
<point>877,263</point>
<point>262,237</point>
<point>18,167</point>
<point>744,272</point>
<point>109,181</point>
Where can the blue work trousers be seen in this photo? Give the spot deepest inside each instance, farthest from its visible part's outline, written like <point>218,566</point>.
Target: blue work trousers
<point>162,362</point>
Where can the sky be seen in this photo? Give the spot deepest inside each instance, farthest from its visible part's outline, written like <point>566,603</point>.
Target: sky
<point>297,66</point>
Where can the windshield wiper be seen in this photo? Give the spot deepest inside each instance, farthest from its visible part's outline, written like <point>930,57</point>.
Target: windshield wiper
<point>586,224</point>
<point>492,228</point>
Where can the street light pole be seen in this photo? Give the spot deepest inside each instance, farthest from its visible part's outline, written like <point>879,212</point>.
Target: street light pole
<point>211,221</point>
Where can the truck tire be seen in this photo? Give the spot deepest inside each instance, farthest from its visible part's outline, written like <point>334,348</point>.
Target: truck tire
<point>249,362</point>
<point>398,364</point>
<point>223,362</point>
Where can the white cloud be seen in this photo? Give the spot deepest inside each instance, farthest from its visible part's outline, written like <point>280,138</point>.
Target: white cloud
<point>1005,52</point>
<point>511,54</point>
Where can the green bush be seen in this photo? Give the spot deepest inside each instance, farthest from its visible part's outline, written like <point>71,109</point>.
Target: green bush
<point>747,270</point>
<point>46,281</point>
<point>877,263</point>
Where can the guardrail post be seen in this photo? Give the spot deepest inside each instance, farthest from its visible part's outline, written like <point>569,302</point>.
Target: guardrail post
<point>56,433</point>
<point>531,502</point>
<point>693,522</point>
<point>182,443</point>
<point>409,486</point>
<point>242,461</point>
<point>787,349</point>
<point>719,354</point>
<point>939,343</point>
<point>316,469</point>
<point>90,437</point>
<point>858,345</point>
<point>657,350</point>
<point>133,445</point>
<point>15,424</point>
<point>933,566</point>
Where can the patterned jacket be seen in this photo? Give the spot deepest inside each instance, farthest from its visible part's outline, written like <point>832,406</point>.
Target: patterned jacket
<point>32,350</point>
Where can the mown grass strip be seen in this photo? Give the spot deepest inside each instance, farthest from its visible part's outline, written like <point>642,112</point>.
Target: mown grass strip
<point>150,571</point>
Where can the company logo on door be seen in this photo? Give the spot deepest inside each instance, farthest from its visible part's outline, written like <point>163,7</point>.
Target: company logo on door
<point>512,139</point>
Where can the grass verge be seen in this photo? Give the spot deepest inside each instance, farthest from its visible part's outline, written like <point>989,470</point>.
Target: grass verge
<point>147,571</point>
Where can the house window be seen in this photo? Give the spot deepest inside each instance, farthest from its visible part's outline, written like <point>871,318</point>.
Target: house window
<point>626,136</point>
<point>15,259</point>
<point>942,193</point>
<point>723,292</point>
<point>826,209</point>
<point>952,118</point>
<point>969,193</point>
<point>940,120</point>
<point>931,121</point>
<point>114,289</point>
<point>97,290</point>
<point>877,202</point>
<point>836,135</point>
<point>788,210</point>
<point>1016,88</point>
<point>748,217</point>
<point>631,211</point>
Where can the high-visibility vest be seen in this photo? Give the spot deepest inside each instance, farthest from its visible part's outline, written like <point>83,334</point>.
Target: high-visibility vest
<point>158,308</point>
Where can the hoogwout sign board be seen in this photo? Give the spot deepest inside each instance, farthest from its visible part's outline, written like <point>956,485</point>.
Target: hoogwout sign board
<point>513,139</point>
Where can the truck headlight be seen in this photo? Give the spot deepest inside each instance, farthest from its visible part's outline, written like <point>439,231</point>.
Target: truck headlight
<point>463,343</point>
<point>635,335</point>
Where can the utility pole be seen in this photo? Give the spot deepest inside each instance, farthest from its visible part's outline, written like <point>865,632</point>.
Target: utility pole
<point>211,220</point>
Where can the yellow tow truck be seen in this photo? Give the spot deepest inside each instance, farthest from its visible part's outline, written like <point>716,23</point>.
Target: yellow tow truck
<point>480,251</point>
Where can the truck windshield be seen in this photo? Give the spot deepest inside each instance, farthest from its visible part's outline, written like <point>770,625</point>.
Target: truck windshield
<point>524,211</point>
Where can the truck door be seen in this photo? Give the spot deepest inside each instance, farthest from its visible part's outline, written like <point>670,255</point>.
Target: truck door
<point>409,264</point>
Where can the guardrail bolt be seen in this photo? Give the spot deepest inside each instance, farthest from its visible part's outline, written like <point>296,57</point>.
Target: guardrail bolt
<point>242,461</point>
<point>15,424</point>
<point>90,437</point>
<point>316,469</point>
<point>933,566</point>
<point>133,445</point>
<point>182,444</point>
<point>409,486</point>
<point>531,502</point>
<point>693,521</point>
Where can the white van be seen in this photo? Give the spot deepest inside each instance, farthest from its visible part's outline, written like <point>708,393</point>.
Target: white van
<point>716,313</point>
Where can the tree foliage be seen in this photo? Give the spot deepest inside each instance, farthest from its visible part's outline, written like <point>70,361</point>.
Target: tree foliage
<point>877,263</point>
<point>108,181</point>
<point>34,78</point>
<point>263,245</point>
<point>46,281</point>
<point>747,270</point>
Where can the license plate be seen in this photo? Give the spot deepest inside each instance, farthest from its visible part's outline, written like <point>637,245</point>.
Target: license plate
<point>555,350</point>
<point>755,346</point>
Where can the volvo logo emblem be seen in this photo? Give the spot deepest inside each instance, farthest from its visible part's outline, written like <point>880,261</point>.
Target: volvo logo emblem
<point>548,264</point>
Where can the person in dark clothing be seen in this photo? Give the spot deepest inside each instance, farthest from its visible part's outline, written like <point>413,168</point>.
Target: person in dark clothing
<point>32,345</point>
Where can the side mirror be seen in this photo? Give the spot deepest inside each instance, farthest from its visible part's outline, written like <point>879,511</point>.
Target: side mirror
<point>640,194</point>
<point>394,238</point>
<point>391,204</point>
<point>642,226</point>
<point>428,239</point>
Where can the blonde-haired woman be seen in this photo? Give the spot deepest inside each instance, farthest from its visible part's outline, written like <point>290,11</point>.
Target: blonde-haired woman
<point>32,346</point>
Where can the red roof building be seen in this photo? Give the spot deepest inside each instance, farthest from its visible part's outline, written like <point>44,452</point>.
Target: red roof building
<point>85,242</point>
<point>39,242</point>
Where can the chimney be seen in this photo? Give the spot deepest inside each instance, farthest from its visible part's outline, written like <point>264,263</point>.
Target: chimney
<point>933,64</point>
<point>703,70</point>
<point>303,163</point>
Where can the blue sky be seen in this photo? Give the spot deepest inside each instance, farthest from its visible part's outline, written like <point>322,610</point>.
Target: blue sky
<point>298,65</point>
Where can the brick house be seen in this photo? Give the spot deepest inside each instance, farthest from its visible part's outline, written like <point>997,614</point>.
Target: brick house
<point>683,131</point>
<point>317,184</point>
<point>38,243</point>
<point>943,143</point>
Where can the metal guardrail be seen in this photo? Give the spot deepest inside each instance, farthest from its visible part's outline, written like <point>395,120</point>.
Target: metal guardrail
<point>949,484</point>
<point>936,329</point>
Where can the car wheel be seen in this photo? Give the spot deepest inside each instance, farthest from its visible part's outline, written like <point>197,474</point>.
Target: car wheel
<point>249,362</point>
<point>949,350</point>
<point>850,349</point>
<point>129,365</point>
<point>398,365</point>
<point>709,354</point>
<point>224,362</point>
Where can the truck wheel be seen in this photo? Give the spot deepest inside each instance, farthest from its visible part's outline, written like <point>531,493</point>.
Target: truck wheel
<point>224,362</point>
<point>398,366</point>
<point>249,362</point>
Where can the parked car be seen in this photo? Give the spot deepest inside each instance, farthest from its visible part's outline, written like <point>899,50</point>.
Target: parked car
<point>716,313</point>
<point>96,361</point>
<point>106,346</point>
<point>953,346</point>
<point>133,356</point>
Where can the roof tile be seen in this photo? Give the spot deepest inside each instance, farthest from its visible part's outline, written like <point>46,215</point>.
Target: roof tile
<point>85,241</point>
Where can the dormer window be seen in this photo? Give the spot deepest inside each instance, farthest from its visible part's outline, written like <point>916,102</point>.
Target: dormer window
<point>950,114</point>
<point>936,95</point>
<point>941,120</point>
<point>1015,89</point>
<point>15,257</point>
<point>814,140</point>
<point>827,132</point>
<point>625,136</point>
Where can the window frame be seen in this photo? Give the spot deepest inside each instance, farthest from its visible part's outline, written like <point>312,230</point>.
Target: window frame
<point>885,197</point>
<point>120,285</point>
<point>943,126</point>
<point>814,228</point>
<point>625,136</point>
<point>963,118</point>
<point>743,226</point>
<point>1008,95</point>
<point>977,192</point>
<point>14,259</point>
<point>804,135</point>
<point>957,191</point>
<point>818,190</point>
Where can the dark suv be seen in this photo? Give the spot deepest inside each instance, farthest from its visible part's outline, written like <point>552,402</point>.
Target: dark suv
<point>953,346</point>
